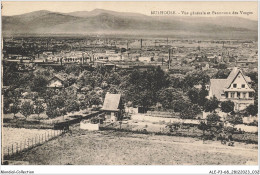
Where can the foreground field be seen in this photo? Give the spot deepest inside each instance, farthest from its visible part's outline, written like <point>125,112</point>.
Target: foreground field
<point>119,148</point>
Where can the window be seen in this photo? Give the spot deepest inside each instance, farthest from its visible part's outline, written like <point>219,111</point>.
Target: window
<point>250,94</point>
<point>244,95</point>
<point>232,94</point>
<point>238,95</point>
<point>234,85</point>
<point>243,85</point>
<point>226,94</point>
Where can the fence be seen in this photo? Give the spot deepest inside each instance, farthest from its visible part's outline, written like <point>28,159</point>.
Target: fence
<point>29,143</point>
<point>65,125</point>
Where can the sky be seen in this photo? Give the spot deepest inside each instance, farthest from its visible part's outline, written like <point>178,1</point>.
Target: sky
<point>200,8</point>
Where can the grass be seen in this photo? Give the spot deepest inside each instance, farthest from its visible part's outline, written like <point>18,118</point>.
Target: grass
<point>191,131</point>
<point>124,148</point>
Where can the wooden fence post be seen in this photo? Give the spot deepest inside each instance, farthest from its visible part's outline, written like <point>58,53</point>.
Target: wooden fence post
<point>16,147</point>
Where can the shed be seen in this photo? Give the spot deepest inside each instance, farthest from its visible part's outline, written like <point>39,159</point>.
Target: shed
<point>112,107</point>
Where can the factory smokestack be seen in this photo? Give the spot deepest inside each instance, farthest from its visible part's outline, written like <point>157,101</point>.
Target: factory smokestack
<point>169,59</point>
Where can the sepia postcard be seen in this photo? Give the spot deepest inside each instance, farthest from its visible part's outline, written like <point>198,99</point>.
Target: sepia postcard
<point>129,83</point>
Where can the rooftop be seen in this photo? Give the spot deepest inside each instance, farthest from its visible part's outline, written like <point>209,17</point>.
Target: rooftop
<point>111,102</point>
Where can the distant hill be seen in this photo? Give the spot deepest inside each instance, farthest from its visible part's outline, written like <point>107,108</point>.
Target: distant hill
<point>124,23</point>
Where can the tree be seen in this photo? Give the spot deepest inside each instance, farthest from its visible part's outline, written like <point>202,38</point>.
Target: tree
<point>143,87</point>
<point>235,119</point>
<point>75,69</point>
<point>222,66</point>
<point>254,76</point>
<point>193,95</point>
<point>11,97</point>
<point>39,108</point>
<point>222,74</point>
<point>252,110</point>
<point>198,96</point>
<point>211,104</point>
<point>49,93</point>
<point>177,82</point>
<point>203,93</point>
<point>181,105</point>
<point>213,123</point>
<point>14,108</point>
<point>71,105</point>
<point>55,103</point>
<point>204,127</point>
<point>213,119</point>
<point>191,112</point>
<point>195,78</point>
<point>94,99</point>
<point>10,74</point>
<point>26,109</point>
<point>52,113</point>
<point>168,96</point>
<point>86,78</point>
<point>39,84</point>
<point>144,100</point>
<point>113,89</point>
<point>227,106</point>
<point>70,80</point>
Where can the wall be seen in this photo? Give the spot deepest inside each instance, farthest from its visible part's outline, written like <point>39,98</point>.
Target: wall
<point>143,117</point>
<point>89,126</point>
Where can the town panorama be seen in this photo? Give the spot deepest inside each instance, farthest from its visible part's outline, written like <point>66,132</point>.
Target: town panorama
<point>106,88</point>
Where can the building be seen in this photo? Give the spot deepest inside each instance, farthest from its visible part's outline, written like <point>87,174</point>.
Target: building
<point>235,88</point>
<point>112,107</point>
<point>57,82</point>
<point>145,59</point>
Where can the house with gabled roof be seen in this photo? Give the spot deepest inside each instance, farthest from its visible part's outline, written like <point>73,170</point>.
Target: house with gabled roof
<point>112,107</point>
<point>236,87</point>
<point>56,82</point>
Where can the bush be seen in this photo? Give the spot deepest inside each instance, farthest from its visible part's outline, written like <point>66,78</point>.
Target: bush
<point>246,137</point>
<point>227,106</point>
<point>254,123</point>
<point>26,108</point>
<point>52,113</point>
<point>230,129</point>
<point>252,110</point>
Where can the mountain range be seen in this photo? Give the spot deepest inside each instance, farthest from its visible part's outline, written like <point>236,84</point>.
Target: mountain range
<point>105,22</point>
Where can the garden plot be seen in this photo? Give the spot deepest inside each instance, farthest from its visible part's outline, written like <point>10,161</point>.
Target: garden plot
<point>17,139</point>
